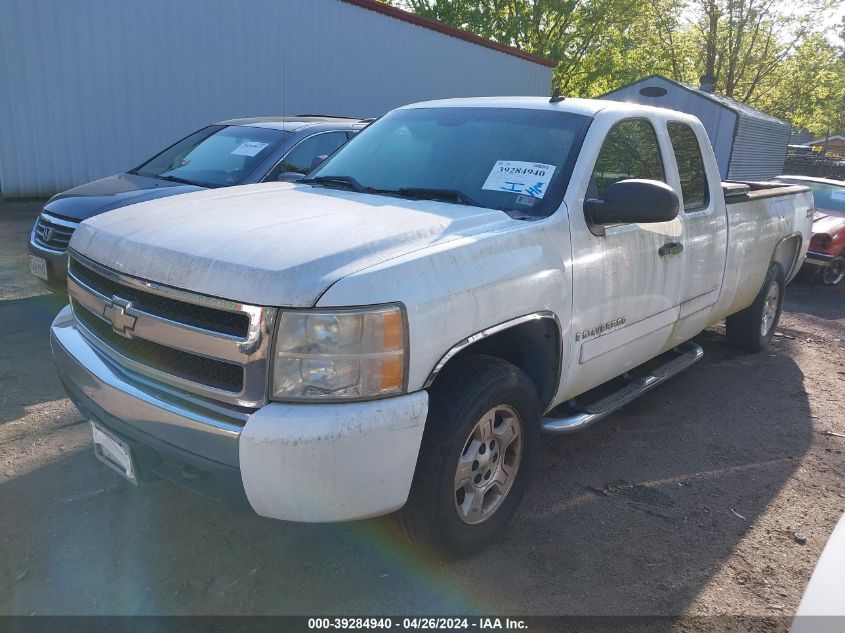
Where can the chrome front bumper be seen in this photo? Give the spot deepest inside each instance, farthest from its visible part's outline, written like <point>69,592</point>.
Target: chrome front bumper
<point>102,391</point>
<point>817,259</point>
<point>316,462</point>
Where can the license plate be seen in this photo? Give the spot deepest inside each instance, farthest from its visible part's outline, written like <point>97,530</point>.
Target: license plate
<point>113,452</point>
<point>38,267</point>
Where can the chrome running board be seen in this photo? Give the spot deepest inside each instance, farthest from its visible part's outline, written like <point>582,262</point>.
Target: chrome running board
<point>578,418</point>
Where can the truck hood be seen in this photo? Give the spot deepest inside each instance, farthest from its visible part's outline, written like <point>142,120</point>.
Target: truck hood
<point>105,194</point>
<point>272,244</point>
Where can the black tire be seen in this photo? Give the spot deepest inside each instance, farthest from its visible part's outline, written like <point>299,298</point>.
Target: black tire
<point>462,394</point>
<point>745,329</point>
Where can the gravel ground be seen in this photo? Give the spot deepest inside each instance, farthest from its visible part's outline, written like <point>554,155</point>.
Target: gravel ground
<point>685,502</point>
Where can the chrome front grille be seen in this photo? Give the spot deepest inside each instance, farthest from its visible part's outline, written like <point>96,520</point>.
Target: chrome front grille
<point>211,347</point>
<point>199,316</point>
<point>53,232</point>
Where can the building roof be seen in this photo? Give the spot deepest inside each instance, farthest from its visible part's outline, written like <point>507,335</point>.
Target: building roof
<point>447,29</point>
<point>726,102</point>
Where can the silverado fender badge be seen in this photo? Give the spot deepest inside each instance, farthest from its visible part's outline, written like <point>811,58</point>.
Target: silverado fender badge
<point>599,329</point>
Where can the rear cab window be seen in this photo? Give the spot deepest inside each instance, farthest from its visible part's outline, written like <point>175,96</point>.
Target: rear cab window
<point>695,191</point>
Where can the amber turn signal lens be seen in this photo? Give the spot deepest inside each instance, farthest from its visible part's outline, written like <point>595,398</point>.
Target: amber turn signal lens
<point>392,373</point>
<point>393,330</point>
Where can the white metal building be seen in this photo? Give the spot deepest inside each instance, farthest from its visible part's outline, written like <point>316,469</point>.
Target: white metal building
<point>93,87</point>
<point>749,144</point>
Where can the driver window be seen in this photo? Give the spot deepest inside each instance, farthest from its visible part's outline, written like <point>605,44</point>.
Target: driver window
<point>630,150</point>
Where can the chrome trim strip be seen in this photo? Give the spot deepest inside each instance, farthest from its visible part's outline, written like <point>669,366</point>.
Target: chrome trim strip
<point>816,258</point>
<point>54,220</point>
<point>495,329</point>
<point>42,247</point>
<point>167,291</point>
<point>250,352</point>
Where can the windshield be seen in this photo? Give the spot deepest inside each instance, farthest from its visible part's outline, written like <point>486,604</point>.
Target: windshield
<point>515,160</point>
<point>828,198</point>
<point>215,156</point>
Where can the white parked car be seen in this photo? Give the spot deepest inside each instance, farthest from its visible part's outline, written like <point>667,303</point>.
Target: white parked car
<point>393,333</point>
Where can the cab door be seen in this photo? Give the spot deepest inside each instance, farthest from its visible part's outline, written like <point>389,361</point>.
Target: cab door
<point>627,282</point>
<point>706,225</point>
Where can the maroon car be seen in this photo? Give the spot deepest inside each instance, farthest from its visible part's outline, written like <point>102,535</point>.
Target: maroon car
<point>825,260</point>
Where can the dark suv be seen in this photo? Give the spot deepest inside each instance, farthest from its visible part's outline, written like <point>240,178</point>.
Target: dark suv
<point>236,152</point>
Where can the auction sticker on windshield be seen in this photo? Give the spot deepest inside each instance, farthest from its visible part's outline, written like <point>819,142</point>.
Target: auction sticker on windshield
<point>517,176</point>
<point>248,148</point>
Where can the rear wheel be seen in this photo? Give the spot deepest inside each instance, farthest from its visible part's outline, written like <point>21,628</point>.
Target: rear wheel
<point>752,329</point>
<point>476,457</point>
<point>833,272</point>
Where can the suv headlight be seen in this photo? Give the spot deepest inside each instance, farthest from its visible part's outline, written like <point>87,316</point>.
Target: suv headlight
<point>340,354</point>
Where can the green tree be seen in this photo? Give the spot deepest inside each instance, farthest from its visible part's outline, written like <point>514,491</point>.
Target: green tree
<point>809,88</point>
<point>741,44</point>
<point>767,53</point>
<point>581,35</point>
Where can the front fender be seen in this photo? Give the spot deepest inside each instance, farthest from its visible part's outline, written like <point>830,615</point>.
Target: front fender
<point>455,290</point>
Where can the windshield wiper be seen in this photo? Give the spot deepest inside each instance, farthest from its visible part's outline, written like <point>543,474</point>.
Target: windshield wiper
<point>183,181</point>
<point>345,182</point>
<point>443,195</point>
<point>423,193</point>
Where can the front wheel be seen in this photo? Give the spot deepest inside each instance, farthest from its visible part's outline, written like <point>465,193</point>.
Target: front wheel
<point>752,329</point>
<point>476,457</point>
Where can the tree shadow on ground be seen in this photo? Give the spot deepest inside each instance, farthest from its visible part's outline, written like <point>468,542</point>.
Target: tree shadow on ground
<point>26,363</point>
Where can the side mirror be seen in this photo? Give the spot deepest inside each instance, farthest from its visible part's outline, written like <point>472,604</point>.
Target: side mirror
<point>289,176</point>
<point>318,160</point>
<point>633,202</point>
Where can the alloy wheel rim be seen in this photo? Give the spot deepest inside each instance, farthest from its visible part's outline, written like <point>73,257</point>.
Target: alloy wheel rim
<point>834,272</point>
<point>488,464</point>
<point>770,308</point>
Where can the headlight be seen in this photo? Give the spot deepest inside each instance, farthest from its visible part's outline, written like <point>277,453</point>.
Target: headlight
<point>339,354</point>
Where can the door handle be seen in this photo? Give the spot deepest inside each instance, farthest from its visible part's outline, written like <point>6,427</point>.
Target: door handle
<point>670,248</point>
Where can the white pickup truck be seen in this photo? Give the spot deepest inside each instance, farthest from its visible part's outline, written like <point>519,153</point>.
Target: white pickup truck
<point>393,333</point>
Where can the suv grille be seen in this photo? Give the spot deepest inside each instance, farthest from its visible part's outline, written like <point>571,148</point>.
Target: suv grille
<point>54,232</point>
<point>215,348</point>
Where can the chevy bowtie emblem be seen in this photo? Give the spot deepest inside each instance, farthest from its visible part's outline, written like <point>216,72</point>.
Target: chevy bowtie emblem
<point>117,311</point>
